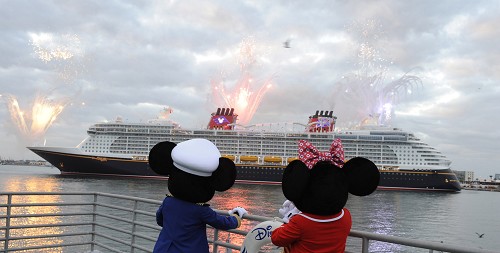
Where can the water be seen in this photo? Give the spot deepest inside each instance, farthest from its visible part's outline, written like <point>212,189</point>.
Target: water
<point>452,218</point>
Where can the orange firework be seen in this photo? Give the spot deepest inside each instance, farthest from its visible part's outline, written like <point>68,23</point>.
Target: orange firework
<point>247,94</point>
<point>33,125</point>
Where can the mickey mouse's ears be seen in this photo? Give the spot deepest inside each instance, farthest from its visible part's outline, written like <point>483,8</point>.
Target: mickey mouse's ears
<point>160,158</point>
<point>224,177</point>
<point>363,176</point>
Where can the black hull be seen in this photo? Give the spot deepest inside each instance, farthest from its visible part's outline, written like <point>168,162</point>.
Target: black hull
<point>442,180</point>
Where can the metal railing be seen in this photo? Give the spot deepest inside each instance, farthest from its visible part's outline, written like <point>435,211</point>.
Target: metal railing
<point>83,222</point>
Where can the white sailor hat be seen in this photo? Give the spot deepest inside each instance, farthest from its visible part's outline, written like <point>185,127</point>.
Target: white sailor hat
<point>196,156</point>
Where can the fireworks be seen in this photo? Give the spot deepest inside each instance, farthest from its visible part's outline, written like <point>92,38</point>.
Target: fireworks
<point>63,51</point>
<point>365,96</point>
<point>165,113</point>
<point>247,56</point>
<point>371,97</point>
<point>247,94</point>
<point>48,47</point>
<point>367,34</point>
<point>33,124</point>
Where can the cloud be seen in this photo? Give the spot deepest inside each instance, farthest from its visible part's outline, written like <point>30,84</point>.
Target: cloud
<point>141,56</point>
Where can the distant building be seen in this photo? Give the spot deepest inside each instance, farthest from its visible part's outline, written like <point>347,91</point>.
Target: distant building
<point>497,176</point>
<point>464,176</point>
<point>38,163</point>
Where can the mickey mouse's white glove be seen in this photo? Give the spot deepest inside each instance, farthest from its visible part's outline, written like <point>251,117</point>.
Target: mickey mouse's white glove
<point>240,211</point>
<point>288,210</point>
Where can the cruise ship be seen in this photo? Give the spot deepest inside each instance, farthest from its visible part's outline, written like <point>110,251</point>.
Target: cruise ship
<point>260,152</point>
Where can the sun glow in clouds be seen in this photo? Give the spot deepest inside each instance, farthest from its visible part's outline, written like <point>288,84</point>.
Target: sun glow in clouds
<point>247,93</point>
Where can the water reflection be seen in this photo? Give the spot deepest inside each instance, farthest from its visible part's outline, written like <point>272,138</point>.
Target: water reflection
<point>453,218</point>
<point>262,200</point>
<point>31,185</point>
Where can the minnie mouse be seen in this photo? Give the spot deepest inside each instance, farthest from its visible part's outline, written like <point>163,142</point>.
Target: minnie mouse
<point>317,187</point>
<point>196,170</point>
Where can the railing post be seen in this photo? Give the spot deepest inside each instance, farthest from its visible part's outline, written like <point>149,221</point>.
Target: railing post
<point>366,244</point>
<point>228,250</point>
<point>94,220</point>
<point>216,238</point>
<point>7,223</point>
<point>132,248</point>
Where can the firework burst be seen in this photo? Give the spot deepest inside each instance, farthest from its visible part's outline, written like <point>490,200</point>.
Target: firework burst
<point>246,95</point>
<point>64,52</point>
<point>365,96</point>
<point>32,124</point>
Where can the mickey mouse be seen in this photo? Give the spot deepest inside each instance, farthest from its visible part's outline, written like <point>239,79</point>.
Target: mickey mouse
<point>317,187</point>
<point>196,170</point>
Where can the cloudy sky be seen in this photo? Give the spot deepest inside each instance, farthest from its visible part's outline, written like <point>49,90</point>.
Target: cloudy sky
<point>92,61</point>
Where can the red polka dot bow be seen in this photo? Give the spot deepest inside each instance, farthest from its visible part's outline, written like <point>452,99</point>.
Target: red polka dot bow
<point>310,155</point>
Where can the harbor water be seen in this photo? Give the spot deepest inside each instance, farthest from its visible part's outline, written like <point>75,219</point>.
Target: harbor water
<point>452,218</point>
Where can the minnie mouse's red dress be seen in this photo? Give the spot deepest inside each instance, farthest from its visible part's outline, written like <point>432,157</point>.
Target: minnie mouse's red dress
<point>314,233</point>
<point>318,184</point>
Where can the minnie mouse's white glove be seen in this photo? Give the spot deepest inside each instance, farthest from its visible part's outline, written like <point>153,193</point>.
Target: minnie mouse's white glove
<point>240,211</point>
<point>288,210</point>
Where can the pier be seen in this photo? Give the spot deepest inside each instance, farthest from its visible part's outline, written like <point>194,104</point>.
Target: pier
<point>95,221</point>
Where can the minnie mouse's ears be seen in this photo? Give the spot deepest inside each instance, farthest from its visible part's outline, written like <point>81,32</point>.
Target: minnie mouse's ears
<point>295,180</point>
<point>363,176</point>
<point>160,158</point>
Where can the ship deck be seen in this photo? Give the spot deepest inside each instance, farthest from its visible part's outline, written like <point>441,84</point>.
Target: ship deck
<point>96,222</point>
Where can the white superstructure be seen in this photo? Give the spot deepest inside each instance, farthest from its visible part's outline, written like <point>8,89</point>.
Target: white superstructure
<point>389,148</point>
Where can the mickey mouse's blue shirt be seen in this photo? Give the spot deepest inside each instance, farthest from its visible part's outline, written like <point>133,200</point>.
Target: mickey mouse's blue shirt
<point>184,226</point>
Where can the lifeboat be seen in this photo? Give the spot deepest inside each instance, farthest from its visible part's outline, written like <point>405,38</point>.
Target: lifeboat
<point>229,157</point>
<point>248,158</point>
<point>290,159</point>
<point>272,159</point>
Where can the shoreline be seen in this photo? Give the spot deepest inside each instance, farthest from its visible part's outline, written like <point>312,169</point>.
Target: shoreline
<point>483,190</point>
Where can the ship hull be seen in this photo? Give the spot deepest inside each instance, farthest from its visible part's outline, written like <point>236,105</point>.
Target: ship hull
<point>423,180</point>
